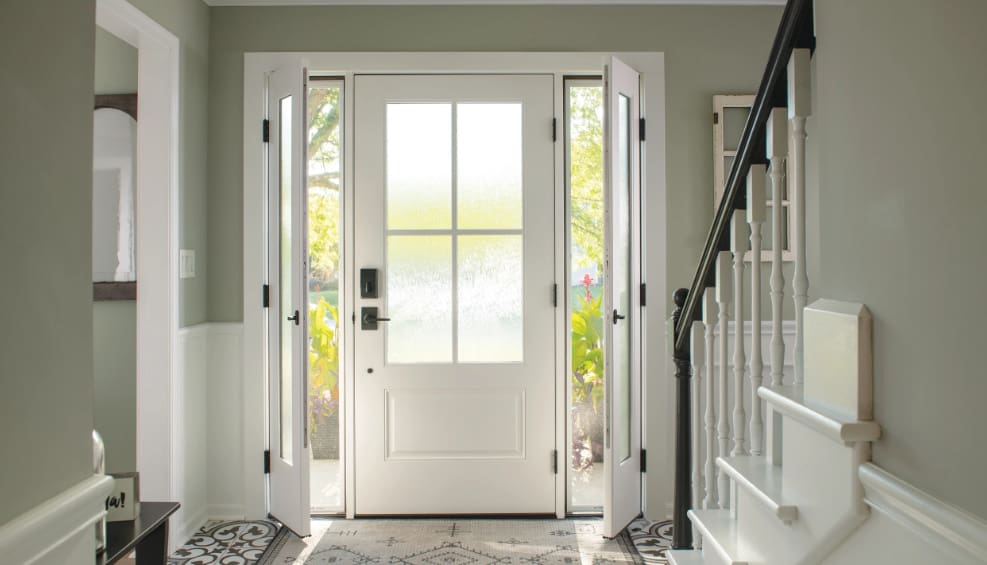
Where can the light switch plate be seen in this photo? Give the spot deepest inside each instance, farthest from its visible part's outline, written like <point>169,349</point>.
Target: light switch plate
<point>186,263</point>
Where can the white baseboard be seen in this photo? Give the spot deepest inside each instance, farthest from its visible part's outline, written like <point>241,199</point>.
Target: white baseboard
<point>226,512</point>
<point>185,529</point>
<point>947,529</point>
<point>60,529</point>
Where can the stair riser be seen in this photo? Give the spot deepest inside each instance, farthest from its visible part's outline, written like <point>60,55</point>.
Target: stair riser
<point>820,475</point>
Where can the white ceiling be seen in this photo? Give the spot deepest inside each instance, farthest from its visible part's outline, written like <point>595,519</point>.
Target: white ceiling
<point>482,2</point>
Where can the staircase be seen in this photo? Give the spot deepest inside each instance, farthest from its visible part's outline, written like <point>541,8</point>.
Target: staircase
<point>772,463</point>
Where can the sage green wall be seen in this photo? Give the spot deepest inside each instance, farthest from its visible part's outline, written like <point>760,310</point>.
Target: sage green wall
<point>46,412</point>
<point>189,21</point>
<point>116,64</point>
<point>708,50</point>
<point>901,208</point>
<point>115,395</point>
<point>115,322</point>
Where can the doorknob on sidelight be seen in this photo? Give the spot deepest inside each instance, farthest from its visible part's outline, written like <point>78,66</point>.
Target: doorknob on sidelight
<point>294,318</point>
<point>617,316</point>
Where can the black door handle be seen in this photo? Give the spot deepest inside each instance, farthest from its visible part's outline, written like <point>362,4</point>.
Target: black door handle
<point>294,318</point>
<point>617,316</point>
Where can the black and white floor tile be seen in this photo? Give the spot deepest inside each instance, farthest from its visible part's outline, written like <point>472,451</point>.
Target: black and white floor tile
<point>226,543</point>
<point>651,539</point>
<point>245,543</point>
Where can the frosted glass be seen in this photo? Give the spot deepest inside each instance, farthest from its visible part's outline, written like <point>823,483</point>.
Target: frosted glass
<point>419,291</point>
<point>489,166</point>
<point>491,303</point>
<point>622,276</point>
<point>286,309</point>
<point>419,166</point>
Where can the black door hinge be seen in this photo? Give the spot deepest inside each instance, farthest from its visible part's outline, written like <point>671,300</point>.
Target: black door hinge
<point>641,129</point>
<point>265,296</point>
<point>644,294</point>
<point>555,295</point>
<point>716,118</point>
<point>555,461</point>
<point>555,129</point>
<point>267,461</point>
<point>265,131</point>
<point>644,460</point>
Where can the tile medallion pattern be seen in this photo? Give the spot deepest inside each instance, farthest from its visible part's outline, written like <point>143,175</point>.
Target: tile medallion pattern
<point>651,539</point>
<point>469,542</point>
<point>226,543</point>
<point>427,542</point>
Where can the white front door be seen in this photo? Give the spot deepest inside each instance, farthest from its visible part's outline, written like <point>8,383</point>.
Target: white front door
<point>287,309</point>
<point>622,334</point>
<point>454,208</point>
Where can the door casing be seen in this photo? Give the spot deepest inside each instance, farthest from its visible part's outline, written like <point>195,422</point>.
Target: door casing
<point>347,66</point>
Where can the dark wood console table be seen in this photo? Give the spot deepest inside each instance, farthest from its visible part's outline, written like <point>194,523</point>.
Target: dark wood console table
<point>148,534</point>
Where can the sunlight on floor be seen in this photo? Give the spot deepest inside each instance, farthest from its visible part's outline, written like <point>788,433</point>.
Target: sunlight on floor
<point>326,477</point>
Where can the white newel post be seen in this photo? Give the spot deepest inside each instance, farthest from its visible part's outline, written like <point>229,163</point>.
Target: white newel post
<point>709,321</point>
<point>724,293</point>
<point>756,211</point>
<point>799,109</point>
<point>698,363</point>
<point>777,147</point>
<point>738,245</point>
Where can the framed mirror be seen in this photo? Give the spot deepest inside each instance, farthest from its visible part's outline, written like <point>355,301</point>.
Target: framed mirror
<point>114,186</point>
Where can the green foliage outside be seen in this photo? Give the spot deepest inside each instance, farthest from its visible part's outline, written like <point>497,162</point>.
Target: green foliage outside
<point>586,228</point>
<point>323,240</point>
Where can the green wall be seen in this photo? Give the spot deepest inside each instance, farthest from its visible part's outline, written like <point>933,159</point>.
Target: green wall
<point>189,21</point>
<point>116,64</point>
<point>708,50</point>
<point>900,134</point>
<point>46,359</point>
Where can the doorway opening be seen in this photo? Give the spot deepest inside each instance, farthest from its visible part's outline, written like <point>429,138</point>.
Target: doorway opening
<point>324,111</point>
<point>585,230</point>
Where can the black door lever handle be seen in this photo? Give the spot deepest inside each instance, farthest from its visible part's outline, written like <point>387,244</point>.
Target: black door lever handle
<point>617,316</point>
<point>294,318</point>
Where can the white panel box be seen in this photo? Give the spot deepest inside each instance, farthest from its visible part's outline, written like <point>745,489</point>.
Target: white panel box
<point>838,359</point>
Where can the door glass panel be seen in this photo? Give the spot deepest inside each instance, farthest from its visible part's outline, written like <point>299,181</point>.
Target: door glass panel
<point>488,158</point>
<point>622,263</point>
<point>419,166</point>
<point>419,289</point>
<point>285,279</point>
<point>490,287</point>
<point>324,156</point>
<point>584,146</point>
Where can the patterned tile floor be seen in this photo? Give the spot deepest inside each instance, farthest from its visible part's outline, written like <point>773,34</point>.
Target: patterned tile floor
<point>244,542</point>
<point>227,543</point>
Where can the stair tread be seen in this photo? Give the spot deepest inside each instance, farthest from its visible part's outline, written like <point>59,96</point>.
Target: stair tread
<point>685,557</point>
<point>719,531</point>
<point>790,401</point>
<point>763,480</point>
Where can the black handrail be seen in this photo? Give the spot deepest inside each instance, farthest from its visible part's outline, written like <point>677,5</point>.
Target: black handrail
<point>794,31</point>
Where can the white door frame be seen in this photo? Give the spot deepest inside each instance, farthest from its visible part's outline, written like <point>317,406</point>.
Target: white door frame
<point>159,382</point>
<point>347,65</point>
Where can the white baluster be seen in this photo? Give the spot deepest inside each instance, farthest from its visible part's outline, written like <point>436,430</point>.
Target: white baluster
<point>756,204</point>
<point>709,320</point>
<point>777,134</point>
<point>698,364</point>
<point>724,293</point>
<point>799,108</point>
<point>738,245</point>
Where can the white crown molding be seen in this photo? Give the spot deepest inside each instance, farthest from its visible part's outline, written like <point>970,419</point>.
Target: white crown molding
<point>947,528</point>
<point>491,2</point>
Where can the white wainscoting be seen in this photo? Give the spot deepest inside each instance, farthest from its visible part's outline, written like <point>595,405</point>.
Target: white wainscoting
<point>61,529</point>
<point>908,525</point>
<point>225,422</point>
<point>189,483</point>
